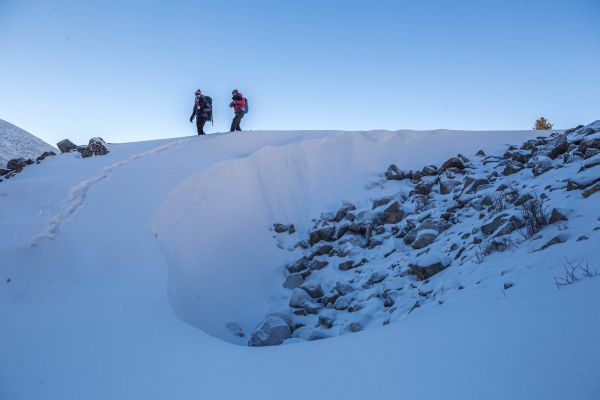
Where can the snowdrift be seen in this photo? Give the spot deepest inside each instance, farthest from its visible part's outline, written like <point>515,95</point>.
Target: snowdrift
<point>120,273</point>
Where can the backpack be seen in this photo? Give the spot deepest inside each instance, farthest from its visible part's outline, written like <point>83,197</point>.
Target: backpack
<point>246,108</point>
<point>205,107</point>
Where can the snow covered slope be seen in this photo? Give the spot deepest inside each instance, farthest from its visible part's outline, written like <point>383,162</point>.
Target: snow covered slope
<point>15,143</point>
<point>120,274</point>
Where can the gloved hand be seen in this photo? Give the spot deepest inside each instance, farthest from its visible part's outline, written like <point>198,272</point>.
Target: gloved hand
<point>191,119</point>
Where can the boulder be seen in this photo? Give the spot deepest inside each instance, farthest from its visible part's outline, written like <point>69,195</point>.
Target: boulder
<point>428,267</point>
<point>590,190</point>
<point>300,299</point>
<point>317,265</point>
<point>97,146</point>
<point>423,188</point>
<point>313,289</point>
<point>322,250</point>
<point>541,164</point>
<point>558,146</point>
<point>393,173</point>
<point>429,170</point>
<point>424,238</point>
<point>17,164</point>
<point>480,153</point>
<point>272,331</point>
<point>344,288</point>
<point>346,265</point>
<point>561,238</point>
<point>454,162</point>
<point>445,187</point>
<point>85,152</point>
<point>343,211</point>
<point>410,236</point>
<point>393,214</point>
<point>377,277</point>
<point>557,216</point>
<point>512,167</point>
<point>490,227</point>
<point>523,199</point>
<point>381,202</point>
<point>325,234</point>
<point>45,155</point>
<point>66,146</point>
<point>478,183</point>
<point>292,281</point>
<point>296,266</point>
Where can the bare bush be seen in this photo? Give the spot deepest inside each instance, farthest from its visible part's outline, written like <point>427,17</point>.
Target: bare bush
<point>535,216</point>
<point>496,245</point>
<point>503,200</point>
<point>574,272</point>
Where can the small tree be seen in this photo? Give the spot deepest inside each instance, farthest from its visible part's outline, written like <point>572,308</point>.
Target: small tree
<point>542,124</point>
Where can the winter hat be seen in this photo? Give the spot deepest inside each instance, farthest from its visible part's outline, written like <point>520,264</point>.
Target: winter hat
<point>198,92</point>
<point>235,91</point>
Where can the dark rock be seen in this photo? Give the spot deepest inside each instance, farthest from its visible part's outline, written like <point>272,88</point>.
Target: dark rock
<point>85,152</point>
<point>381,202</point>
<point>454,162</point>
<point>326,320</point>
<point>542,164</point>
<point>393,173</point>
<point>325,234</point>
<point>17,164</point>
<point>393,214</point>
<point>521,157</point>
<point>427,271</point>
<point>346,265</point>
<point>280,228</point>
<point>97,146</point>
<point>523,199</point>
<point>490,227</point>
<point>322,250</point>
<point>343,211</point>
<point>296,266</point>
<point>45,155</point>
<point>66,146</point>
<point>512,167</point>
<point>423,188</point>
<point>555,240</point>
<point>424,238</point>
<point>478,183</point>
<point>317,265</point>
<point>480,153</point>
<point>590,190</point>
<point>557,216</point>
<point>429,170</point>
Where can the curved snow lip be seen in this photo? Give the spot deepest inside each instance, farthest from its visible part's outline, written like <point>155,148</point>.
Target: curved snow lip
<point>214,228</point>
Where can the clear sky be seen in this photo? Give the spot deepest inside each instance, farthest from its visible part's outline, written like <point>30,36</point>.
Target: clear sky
<point>127,70</point>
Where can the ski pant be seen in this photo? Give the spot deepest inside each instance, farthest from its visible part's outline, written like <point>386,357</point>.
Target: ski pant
<point>200,121</point>
<point>235,124</point>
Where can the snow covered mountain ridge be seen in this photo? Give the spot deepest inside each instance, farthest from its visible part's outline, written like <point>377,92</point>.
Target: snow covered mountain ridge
<point>134,272</point>
<point>16,142</point>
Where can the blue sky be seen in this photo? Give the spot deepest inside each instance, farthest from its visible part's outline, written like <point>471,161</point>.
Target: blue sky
<point>127,70</point>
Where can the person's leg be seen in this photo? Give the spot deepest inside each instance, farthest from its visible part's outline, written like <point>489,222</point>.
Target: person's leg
<point>233,122</point>
<point>239,120</point>
<point>200,125</point>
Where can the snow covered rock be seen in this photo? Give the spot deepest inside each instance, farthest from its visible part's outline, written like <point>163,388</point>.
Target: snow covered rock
<point>393,214</point>
<point>273,330</point>
<point>66,146</point>
<point>393,173</point>
<point>97,146</point>
<point>455,163</point>
<point>17,164</point>
<point>428,266</point>
<point>325,234</point>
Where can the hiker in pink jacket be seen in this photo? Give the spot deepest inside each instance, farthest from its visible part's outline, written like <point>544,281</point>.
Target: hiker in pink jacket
<point>240,107</point>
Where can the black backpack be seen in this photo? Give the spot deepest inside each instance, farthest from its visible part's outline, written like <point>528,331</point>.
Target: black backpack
<point>204,107</point>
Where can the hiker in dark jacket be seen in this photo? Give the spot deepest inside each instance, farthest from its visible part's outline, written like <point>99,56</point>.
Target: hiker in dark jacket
<point>202,111</point>
<point>239,105</point>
